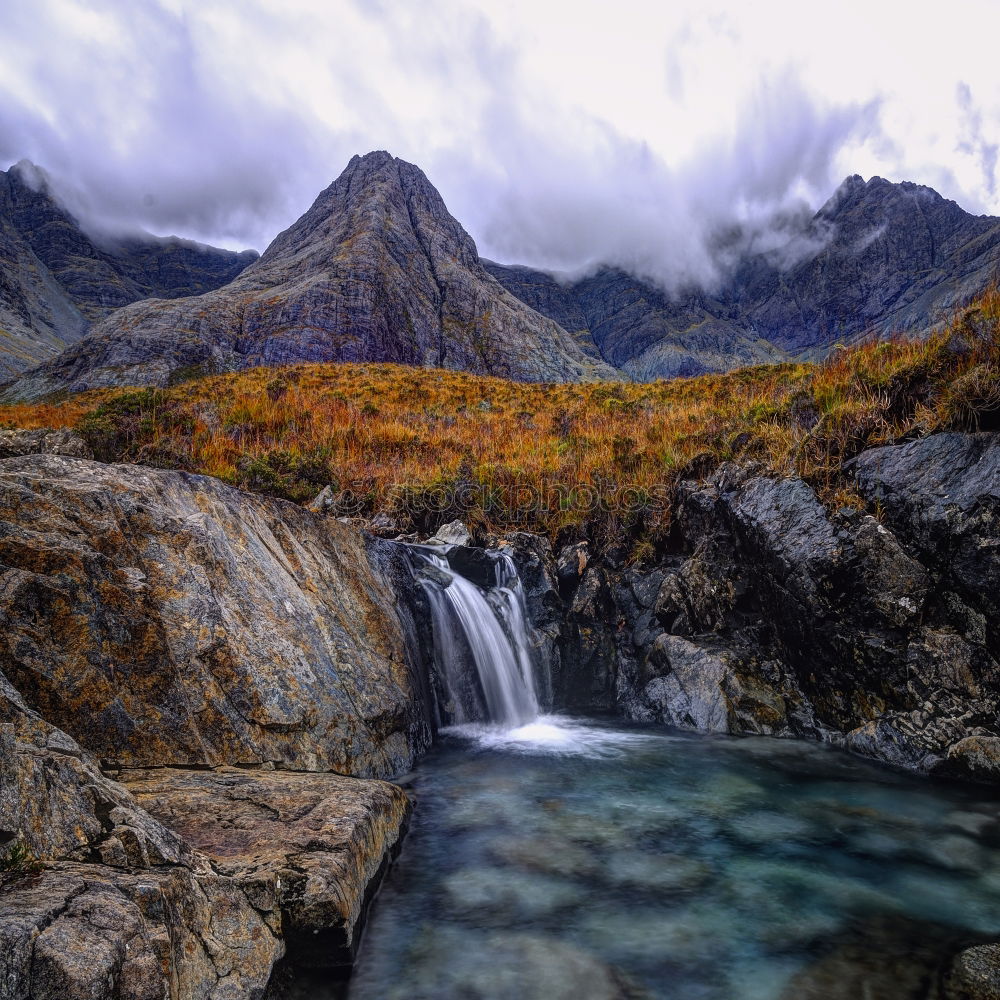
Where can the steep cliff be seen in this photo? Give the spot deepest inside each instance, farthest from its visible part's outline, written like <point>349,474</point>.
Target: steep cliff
<point>771,614</point>
<point>162,618</point>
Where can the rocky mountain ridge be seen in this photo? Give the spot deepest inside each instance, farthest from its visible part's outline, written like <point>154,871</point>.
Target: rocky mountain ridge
<point>55,279</point>
<point>376,270</point>
<point>881,258</point>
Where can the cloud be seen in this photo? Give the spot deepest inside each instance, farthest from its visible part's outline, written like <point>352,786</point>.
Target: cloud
<point>971,141</point>
<point>660,139</point>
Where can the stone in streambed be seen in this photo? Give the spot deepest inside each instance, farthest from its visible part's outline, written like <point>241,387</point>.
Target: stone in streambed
<point>502,897</point>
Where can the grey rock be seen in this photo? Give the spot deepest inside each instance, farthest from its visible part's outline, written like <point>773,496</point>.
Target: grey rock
<point>452,533</point>
<point>43,442</point>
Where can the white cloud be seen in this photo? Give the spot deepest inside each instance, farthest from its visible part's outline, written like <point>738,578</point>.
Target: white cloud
<point>560,134</point>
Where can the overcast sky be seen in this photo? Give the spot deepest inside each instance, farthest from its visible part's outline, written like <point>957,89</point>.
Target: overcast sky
<point>561,134</point>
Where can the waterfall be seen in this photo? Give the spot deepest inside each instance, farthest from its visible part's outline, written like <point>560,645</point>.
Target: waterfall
<point>487,626</point>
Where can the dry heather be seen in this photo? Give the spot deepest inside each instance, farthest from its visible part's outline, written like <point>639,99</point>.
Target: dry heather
<point>602,458</point>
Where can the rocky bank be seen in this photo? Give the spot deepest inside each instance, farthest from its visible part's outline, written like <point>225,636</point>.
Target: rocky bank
<point>768,613</point>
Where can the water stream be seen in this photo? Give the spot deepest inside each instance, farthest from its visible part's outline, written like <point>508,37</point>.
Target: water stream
<point>575,859</point>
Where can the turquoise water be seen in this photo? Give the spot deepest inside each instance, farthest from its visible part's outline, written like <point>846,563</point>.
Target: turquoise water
<point>585,861</point>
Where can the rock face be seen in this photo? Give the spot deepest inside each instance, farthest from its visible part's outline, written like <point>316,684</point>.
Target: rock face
<point>772,615</point>
<point>878,256</point>
<point>376,270</point>
<point>162,618</point>
<point>55,279</point>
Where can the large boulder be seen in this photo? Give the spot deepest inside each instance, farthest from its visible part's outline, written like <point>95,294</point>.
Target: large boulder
<point>164,618</point>
<point>943,493</point>
<point>89,932</point>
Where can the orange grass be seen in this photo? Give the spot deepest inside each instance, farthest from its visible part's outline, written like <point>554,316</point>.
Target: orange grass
<point>400,440</point>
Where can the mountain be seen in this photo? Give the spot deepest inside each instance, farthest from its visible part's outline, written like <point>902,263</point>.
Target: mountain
<point>55,279</point>
<point>376,270</point>
<point>637,327</point>
<point>878,257</point>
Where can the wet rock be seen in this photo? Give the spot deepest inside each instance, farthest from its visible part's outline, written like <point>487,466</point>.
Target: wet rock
<point>975,974</point>
<point>546,855</point>
<point>314,846</point>
<point>452,533</point>
<point>527,966</point>
<point>658,874</point>
<point>500,897</point>
<point>570,566</point>
<point>186,622</point>
<point>975,757</point>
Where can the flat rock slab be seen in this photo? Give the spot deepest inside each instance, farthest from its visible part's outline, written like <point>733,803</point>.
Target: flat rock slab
<point>321,842</point>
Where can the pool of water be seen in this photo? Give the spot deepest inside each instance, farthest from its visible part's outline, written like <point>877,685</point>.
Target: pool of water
<point>591,861</point>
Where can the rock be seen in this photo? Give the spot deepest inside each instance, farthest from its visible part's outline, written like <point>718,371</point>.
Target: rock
<point>526,966</point>
<point>943,491</point>
<point>975,974</point>
<point>318,844</point>
<point>500,897</point>
<point>56,804</point>
<point>685,686</point>
<point>452,533</point>
<point>87,932</point>
<point>43,442</point>
<point>975,757</point>
<point>376,270</point>
<point>185,622</point>
<point>477,565</point>
<point>570,566</point>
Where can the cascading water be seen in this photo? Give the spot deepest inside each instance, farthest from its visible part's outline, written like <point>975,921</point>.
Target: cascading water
<point>488,626</point>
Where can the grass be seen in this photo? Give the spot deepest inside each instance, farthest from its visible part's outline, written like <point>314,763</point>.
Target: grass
<point>596,459</point>
<point>19,860</point>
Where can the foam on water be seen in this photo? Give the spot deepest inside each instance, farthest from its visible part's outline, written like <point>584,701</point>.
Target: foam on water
<point>555,734</point>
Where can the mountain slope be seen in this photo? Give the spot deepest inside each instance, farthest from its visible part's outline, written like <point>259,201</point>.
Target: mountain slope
<point>886,257</point>
<point>55,279</point>
<point>376,270</point>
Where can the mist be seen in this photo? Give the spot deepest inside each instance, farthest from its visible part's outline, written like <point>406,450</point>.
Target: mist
<point>665,144</point>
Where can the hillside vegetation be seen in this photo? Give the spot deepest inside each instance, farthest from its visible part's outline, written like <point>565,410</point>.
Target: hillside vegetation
<point>426,445</point>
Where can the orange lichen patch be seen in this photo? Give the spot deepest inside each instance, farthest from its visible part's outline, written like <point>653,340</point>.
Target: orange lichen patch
<point>433,444</point>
